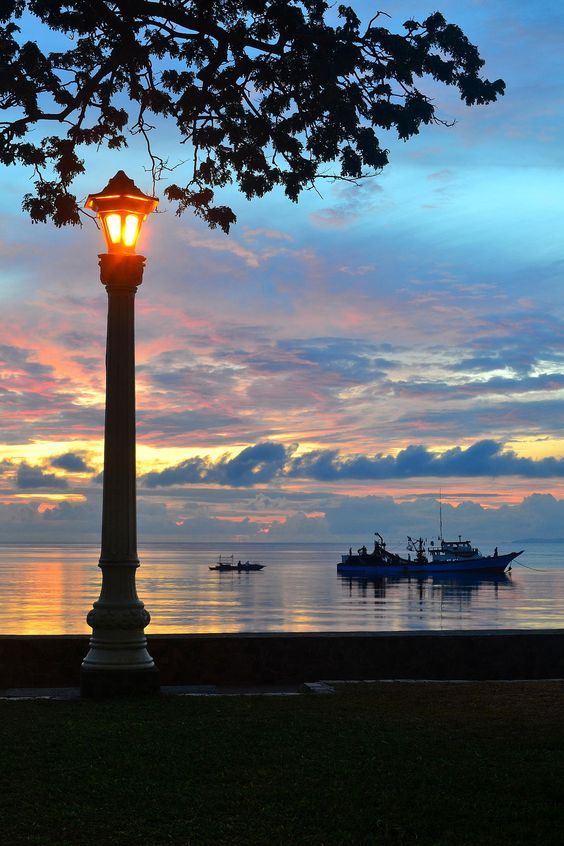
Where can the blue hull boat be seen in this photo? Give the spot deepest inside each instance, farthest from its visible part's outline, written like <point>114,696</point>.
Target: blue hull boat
<point>487,564</point>
<point>446,557</point>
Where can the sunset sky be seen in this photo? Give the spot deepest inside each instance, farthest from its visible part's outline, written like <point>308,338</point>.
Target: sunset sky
<point>324,370</point>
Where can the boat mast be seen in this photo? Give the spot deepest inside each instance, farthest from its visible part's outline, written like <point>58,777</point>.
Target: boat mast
<point>440,514</point>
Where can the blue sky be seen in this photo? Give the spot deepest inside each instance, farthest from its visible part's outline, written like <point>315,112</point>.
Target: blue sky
<point>415,315</point>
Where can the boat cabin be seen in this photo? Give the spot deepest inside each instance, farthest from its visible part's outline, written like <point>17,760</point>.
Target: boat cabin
<point>453,549</point>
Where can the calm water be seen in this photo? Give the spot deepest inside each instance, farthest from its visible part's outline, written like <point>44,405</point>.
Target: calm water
<point>50,590</point>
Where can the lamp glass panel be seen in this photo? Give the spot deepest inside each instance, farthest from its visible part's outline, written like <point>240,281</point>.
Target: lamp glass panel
<point>131,229</point>
<point>113,225</point>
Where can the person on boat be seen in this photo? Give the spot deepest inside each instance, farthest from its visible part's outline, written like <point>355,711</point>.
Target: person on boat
<point>495,552</point>
<point>350,551</point>
<point>239,563</point>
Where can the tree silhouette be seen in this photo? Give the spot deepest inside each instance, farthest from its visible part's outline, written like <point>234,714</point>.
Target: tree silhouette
<point>263,93</point>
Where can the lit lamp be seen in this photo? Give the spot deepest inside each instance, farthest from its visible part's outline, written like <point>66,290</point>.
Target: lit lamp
<point>121,208</point>
<point>118,660</point>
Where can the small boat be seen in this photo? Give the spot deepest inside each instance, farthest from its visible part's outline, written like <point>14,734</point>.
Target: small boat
<point>248,566</point>
<point>445,557</point>
<point>224,565</point>
<point>229,565</point>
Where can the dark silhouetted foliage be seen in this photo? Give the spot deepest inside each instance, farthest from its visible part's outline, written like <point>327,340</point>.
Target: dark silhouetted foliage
<point>263,92</point>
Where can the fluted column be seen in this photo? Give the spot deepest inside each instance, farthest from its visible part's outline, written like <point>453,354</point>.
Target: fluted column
<point>118,660</point>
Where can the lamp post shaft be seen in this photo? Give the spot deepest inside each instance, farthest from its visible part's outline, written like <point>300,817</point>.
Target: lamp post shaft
<point>119,517</point>
<point>118,660</point>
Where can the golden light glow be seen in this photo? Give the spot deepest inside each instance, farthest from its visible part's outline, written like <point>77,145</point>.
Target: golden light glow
<point>41,450</point>
<point>66,497</point>
<point>113,225</point>
<point>122,230</point>
<point>131,227</point>
<point>122,208</point>
<point>540,446</point>
<point>149,457</point>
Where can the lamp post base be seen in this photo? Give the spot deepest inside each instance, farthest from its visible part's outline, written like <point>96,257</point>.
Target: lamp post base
<point>99,684</point>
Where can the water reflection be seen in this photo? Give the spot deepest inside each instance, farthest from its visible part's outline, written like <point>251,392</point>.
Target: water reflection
<point>433,601</point>
<point>49,590</point>
<point>458,590</point>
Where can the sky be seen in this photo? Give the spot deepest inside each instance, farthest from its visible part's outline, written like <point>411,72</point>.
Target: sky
<point>328,368</point>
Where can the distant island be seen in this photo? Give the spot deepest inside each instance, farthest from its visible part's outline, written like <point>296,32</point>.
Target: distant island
<point>538,540</point>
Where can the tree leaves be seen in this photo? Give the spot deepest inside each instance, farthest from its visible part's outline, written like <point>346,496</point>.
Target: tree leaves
<point>264,93</point>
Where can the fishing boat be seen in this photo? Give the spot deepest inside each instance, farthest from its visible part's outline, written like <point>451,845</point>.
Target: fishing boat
<point>444,557</point>
<point>227,564</point>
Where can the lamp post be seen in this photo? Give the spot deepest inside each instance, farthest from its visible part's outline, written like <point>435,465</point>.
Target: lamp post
<point>118,660</point>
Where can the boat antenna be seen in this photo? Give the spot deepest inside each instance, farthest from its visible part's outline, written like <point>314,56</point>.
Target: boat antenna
<point>440,514</point>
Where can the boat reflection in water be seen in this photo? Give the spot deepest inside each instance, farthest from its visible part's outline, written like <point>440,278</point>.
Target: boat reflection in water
<point>441,590</point>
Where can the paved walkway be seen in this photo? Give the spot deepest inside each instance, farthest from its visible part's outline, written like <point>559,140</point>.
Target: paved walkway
<point>20,693</point>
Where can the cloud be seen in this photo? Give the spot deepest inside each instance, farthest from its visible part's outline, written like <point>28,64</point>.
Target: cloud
<point>252,466</point>
<point>31,416</point>
<point>262,232</point>
<point>18,361</point>
<point>348,520</point>
<point>351,203</point>
<point>359,270</point>
<point>337,218</point>
<point>230,391</point>
<point>274,462</point>
<point>521,418</point>
<point>200,378</point>
<point>181,423</point>
<point>484,458</point>
<point>487,363</point>
<point>352,520</point>
<point>79,340</point>
<point>537,515</point>
<point>494,386</point>
<point>223,245</point>
<point>253,256</point>
<point>444,175</point>
<point>33,478</point>
<point>71,462</point>
<point>350,358</point>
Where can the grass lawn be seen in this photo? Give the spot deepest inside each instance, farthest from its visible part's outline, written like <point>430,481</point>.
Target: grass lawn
<point>430,764</point>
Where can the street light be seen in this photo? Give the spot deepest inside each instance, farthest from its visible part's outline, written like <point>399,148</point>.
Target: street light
<point>118,660</point>
<point>122,208</point>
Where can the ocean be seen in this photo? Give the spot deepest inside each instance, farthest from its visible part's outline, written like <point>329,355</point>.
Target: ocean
<point>50,589</point>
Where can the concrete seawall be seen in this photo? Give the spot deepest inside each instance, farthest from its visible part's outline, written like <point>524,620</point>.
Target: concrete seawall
<point>278,658</point>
